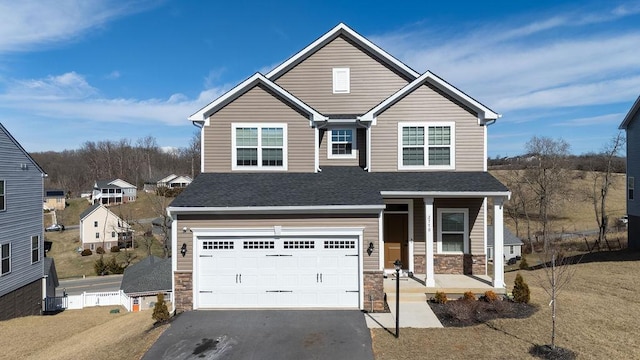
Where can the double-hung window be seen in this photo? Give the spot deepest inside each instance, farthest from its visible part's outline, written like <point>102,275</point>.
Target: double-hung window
<point>5,258</point>
<point>630,187</point>
<point>259,146</point>
<point>35,249</point>
<point>341,144</point>
<point>453,231</point>
<point>3,196</point>
<point>426,145</point>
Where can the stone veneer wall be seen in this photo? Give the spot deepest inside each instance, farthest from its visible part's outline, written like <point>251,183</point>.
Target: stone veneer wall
<point>419,264</point>
<point>24,301</point>
<point>184,291</point>
<point>460,264</point>
<point>374,290</point>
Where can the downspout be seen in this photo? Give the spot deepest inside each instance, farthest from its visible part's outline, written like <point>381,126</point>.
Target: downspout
<point>200,125</point>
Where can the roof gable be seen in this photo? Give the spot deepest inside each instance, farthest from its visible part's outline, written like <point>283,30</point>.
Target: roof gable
<point>630,115</point>
<point>20,148</point>
<point>167,178</point>
<point>204,113</point>
<point>100,207</point>
<point>484,113</point>
<point>344,30</point>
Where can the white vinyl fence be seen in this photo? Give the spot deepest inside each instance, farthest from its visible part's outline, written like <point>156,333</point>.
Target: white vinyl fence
<point>110,298</point>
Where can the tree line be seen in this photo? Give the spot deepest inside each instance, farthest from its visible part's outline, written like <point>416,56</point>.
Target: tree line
<point>136,162</point>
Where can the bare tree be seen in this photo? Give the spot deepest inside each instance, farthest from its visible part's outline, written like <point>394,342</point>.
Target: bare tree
<point>518,205</point>
<point>601,183</point>
<point>546,176</point>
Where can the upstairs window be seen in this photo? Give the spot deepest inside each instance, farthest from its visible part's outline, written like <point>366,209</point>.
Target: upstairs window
<point>3,196</point>
<point>259,146</point>
<point>630,187</point>
<point>341,81</point>
<point>95,224</point>
<point>35,249</point>
<point>5,258</point>
<point>426,145</point>
<point>341,144</point>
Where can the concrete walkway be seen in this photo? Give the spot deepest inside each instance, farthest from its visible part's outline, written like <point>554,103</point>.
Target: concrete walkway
<point>412,315</point>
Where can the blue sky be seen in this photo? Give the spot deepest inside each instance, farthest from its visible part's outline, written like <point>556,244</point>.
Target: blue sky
<point>78,70</point>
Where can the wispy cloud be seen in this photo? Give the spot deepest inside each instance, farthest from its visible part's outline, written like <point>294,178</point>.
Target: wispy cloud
<point>593,120</point>
<point>115,74</point>
<point>27,24</point>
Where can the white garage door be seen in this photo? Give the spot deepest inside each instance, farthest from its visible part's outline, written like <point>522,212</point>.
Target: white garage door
<point>283,272</point>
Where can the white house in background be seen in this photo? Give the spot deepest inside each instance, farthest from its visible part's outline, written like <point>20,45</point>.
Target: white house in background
<point>512,244</point>
<point>113,192</point>
<point>99,227</point>
<point>174,181</point>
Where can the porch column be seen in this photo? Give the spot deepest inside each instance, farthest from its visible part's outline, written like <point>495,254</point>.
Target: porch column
<point>498,243</point>
<point>430,281</point>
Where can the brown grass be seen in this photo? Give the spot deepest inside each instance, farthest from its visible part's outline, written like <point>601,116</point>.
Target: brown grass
<point>596,319</point>
<point>92,333</point>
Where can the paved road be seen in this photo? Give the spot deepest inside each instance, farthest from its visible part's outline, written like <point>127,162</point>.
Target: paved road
<point>90,284</point>
<point>265,334</point>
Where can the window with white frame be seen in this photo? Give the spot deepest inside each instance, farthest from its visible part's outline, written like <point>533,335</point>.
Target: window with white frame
<point>259,146</point>
<point>630,187</point>
<point>95,224</point>
<point>341,80</point>
<point>423,145</point>
<point>453,234</point>
<point>5,258</point>
<point>341,144</point>
<point>35,249</point>
<point>97,235</point>
<point>3,196</point>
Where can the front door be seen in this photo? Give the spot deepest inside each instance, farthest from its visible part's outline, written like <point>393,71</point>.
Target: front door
<point>396,239</point>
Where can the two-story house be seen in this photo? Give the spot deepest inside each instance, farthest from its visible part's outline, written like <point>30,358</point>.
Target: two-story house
<point>317,176</point>
<point>22,269</point>
<point>100,227</point>
<point>631,124</point>
<point>174,181</point>
<point>113,192</point>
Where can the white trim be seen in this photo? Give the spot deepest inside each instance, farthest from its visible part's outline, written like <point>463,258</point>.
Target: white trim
<point>465,240</point>
<point>174,260</point>
<point>381,240</point>
<point>259,147</point>
<point>485,203</point>
<point>276,209</point>
<point>328,37</point>
<point>38,248</point>
<point>316,150</point>
<point>498,243</point>
<point>426,125</point>
<point>485,160</point>
<point>368,162</point>
<point>454,194</point>
<point>341,80</point>
<point>430,280</point>
<point>8,257</point>
<point>202,149</point>
<point>354,142</point>
<point>484,113</point>
<point>4,195</point>
<point>217,104</point>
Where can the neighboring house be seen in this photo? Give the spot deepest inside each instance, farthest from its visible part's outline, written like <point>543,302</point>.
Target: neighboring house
<point>631,124</point>
<point>512,244</point>
<point>100,227</point>
<point>54,200</point>
<point>22,268</point>
<point>144,280</point>
<point>51,277</point>
<point>317,176</point>
<point>113,192</point>
<point>174,181</point>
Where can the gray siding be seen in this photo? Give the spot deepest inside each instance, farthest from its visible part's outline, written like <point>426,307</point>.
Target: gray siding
<point>258,105</point>
<point>633,164</point>
<point>23,215</point>
<point>427,104</point>
<point>312,79</point>
<point>370,222</point>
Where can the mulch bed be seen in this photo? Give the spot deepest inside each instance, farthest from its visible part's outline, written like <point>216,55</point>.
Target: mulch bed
<point>459,313</point>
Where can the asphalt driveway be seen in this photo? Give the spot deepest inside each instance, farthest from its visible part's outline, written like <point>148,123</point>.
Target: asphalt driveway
<point>265,334</point>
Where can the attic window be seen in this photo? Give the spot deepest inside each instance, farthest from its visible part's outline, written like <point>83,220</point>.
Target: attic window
<point>341,81</point>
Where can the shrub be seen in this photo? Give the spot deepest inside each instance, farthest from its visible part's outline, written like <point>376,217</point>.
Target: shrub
<point>490,296</point>
<point>115,248</point>
<point>523,264</point>
<point>86,252</point>
<point>440,297</point>
<point>469,296</point>
<point>100,250</point>
<point>160,311</point>
<point>521,291</point>
<point>113,267</point>
<point>100,267</point>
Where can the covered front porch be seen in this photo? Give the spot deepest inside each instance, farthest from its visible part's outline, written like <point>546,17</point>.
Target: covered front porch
<point>414,289</point>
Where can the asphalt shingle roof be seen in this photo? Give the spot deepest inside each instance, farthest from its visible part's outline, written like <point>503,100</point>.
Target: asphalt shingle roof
<point>88,211</point>
<point>509,237</point>
<point>149,275</point>
<point>332,186</point>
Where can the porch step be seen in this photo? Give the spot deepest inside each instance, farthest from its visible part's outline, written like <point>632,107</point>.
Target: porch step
<point>407,297</point>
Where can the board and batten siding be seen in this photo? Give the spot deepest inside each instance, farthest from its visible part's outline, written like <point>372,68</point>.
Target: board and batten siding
<point>427,104</point>
<point>23,215</point>
<point>255,106</point>
<point>369,222</point>
<point>312,79</point>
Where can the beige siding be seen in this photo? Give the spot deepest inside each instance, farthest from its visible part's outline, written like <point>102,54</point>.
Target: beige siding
<point>369,222</point>
<point>476,221</point>
<point>107,224</point>
<point>258,105</point>
<point>428,104</point>
<point>312,79</point>
<point>324,151</point>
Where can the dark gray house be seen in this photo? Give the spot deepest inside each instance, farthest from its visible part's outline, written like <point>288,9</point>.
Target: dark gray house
<point>631,124</point>
<point>22,280</point>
